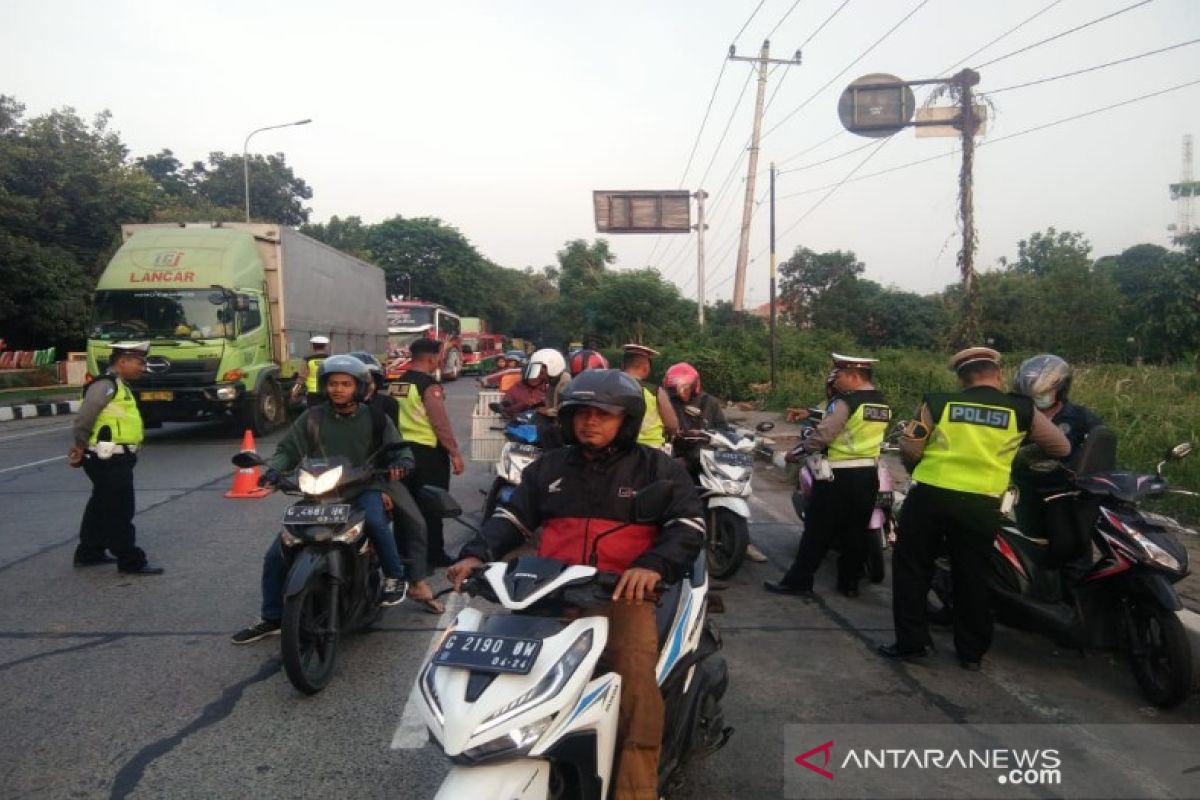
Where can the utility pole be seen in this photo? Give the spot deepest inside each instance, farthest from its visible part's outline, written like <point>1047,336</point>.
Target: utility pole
<point>969,124</point>
<point>700,226</point>
<point>772,294</point>
<point>763,60</point>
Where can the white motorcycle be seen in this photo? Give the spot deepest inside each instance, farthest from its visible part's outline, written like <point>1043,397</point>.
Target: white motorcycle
<point>516,702</point>
<point>725,467</point>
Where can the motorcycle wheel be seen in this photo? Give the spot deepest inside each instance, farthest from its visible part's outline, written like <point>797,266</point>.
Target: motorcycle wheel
<point>875,556</point>
<point>1159,654</point>
<point>309,637</point>
<point>728,536</point>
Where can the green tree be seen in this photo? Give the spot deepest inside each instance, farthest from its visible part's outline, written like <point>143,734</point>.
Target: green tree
<point>1042,253</point>
<point>810,280</point>
<point>348,235</point>
<point>277,194</point>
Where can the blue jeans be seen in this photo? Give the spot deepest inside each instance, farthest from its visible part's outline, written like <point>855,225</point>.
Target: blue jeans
<point>275,568</point>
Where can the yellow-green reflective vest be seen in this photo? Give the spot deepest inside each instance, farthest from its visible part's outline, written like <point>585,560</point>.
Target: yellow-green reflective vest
<point>975,438</point>
<point>652,433</point>
<point>313,363</point>
<point>865,427</point>
<point>120,416</point>
<point>413,420</point>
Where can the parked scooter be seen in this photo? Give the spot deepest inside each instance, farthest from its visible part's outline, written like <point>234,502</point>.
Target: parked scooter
<point>882,527</point>
<point>516,702</point>
<point>334,584</point>
<point>724,469</point>
<point>1126,600</point>
<point>522,447</point>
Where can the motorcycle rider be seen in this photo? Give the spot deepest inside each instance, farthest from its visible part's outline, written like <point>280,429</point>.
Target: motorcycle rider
<point>408,524</point>
<point>852,431</point>
<point>660,423</point>
<point>1046,379</point>
<point>306,376</point>
<point>965,443</point>
<point>425,426</point>
<point>581,490</point>
<point>539,385</point>
<point>346,426</point>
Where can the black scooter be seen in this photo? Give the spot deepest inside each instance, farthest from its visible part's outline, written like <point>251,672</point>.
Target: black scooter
<point>1126,599</point>
<point>334,583</point>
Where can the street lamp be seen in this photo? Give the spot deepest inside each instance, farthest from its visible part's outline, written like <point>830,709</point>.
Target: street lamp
<point>246,162</point>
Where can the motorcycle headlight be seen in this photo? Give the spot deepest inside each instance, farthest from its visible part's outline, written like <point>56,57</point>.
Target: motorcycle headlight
<point>350,534</point>
<point>548,686</point>
<point>1154,552</point>
<point>324,483</point>
<point>514,743</point>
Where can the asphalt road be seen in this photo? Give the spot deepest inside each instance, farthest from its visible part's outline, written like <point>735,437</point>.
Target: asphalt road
<point>114,686</point>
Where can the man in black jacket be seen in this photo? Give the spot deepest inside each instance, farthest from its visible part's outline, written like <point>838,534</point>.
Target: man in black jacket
<point>576,495</point>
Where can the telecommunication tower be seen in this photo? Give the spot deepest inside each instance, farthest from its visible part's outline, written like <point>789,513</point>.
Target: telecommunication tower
<point>1183,192</point>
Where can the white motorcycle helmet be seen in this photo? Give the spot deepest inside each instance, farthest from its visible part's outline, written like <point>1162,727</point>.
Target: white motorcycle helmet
<point>547,360</point>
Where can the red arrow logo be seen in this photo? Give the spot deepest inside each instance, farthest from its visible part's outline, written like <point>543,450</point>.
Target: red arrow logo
<point>802,759</point>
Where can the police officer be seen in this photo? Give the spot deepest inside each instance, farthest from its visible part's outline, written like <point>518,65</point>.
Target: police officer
<point>660,422</point>
<point>306,377</point>
<point>965,443</point>
<point>852,430</point>
<point>425,425</point>
<point>108,433</point>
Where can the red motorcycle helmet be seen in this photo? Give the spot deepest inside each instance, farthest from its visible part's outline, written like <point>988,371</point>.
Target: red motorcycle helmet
<point>682,374</point>
<point>586,359</point>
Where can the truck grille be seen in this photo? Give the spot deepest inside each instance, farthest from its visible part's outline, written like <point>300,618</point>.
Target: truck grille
<point>166,373</point>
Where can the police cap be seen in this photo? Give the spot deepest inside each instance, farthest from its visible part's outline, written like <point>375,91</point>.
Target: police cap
<point>973,355</point>
<point>640,350</point>
<point>135,349</point>
<point>853,362</point>
<point>318,339</point>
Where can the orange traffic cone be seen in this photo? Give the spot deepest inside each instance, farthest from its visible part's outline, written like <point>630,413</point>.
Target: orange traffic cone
<point>245,480</point>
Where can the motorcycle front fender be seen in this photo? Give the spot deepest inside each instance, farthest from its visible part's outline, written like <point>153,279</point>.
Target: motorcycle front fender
<point>735,504</point>
<point>1156,588</point>
<point>307,563</point>
<point>518,779</point>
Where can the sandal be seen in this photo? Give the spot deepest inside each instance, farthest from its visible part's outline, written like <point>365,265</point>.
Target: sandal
<point>420,593</point>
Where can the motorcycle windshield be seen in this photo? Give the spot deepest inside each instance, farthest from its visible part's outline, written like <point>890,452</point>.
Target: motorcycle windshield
<point>1127,487</point>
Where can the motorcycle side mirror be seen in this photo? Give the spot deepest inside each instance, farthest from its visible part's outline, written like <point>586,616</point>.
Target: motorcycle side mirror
<point>1179,451</point>
<point>652,501</point>
<point>440,502</point>
<point>763,427</point>
<point>246,460</point>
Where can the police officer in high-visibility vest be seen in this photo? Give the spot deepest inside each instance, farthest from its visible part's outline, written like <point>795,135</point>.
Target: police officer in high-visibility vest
<point>306,376</point>
<point>425,425</point>
<point>660,422</point>
<point>108,432</point>
<point>850,434</point>
<point>965,444</point>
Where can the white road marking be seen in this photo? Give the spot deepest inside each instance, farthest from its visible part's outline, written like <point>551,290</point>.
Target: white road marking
<point>32,464</point>
<point>60,429</point>
<point>410,733</point>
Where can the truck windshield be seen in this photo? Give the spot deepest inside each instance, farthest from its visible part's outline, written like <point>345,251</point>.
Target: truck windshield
<point>159,314</point>
<point>401,341</point>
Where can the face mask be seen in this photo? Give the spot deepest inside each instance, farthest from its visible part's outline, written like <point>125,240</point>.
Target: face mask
<point>1043,401</point>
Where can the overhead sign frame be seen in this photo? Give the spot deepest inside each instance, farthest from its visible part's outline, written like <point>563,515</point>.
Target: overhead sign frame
<point>642,211</point>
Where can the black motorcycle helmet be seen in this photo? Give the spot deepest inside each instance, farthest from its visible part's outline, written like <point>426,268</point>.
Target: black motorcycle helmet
<point>348,365</point>
<point>374,367</point>
<point>610,390</point>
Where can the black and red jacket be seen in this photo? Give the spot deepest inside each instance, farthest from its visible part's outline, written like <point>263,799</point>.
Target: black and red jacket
<point>575,500</point>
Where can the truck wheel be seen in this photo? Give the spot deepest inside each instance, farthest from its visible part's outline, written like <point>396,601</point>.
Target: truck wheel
<point>266,411</point>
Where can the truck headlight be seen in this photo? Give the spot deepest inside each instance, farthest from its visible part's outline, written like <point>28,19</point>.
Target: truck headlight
<point>227,392</point>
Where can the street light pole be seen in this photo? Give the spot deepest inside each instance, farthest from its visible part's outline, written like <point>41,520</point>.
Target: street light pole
<point>246,162</point>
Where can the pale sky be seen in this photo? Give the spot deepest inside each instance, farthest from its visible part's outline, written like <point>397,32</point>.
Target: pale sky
<point>501,118</point>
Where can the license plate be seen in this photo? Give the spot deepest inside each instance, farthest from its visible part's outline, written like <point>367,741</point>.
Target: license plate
<point>485,653</point>
<point>317,515</point>
<point>156,396</point>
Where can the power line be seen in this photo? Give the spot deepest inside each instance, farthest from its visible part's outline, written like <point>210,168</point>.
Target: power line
<point>802,167</point>
<point>1027,48</point>
<point>821,27</point>
<point>745,25</point>
<point>988,142</point>
<point>1001,37</point>
<point>1092,69</point>
<point>783,19</point>
<point>860,57</point>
